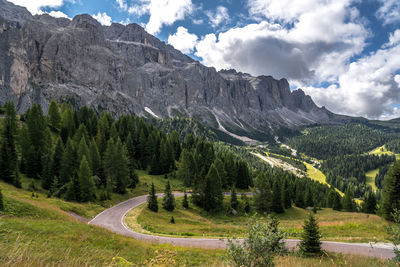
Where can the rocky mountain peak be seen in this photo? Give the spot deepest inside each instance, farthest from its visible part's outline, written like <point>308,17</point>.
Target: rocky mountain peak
<point>124,69</point>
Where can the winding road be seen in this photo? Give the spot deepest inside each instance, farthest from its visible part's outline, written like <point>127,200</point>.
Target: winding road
<point>113,220</point>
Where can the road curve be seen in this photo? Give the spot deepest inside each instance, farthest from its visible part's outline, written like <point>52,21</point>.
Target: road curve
<point>113,220</point>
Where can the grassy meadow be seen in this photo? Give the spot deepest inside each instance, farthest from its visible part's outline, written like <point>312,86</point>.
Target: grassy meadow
<point>334,225</point>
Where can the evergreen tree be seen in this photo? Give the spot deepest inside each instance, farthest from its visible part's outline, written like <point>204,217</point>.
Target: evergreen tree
<point>152,203</point>
<point>391,191</point>
<point>286,194</point>
<point>221,171</point>
<point>336,202</point>
<point>169,199</point>
<point>186,168</point>
<point>8,158</point>
<point>369,203</point>
<point>54,116</point>
<point>95,159</point>
<point>308,200</point>
<point>213,196</point>
<point>83,150</point>
<point>310,244</point>
<point>234,201</point>
<point>299,201</point>
<point>185,202</point>
<point>176,144</point>
<point>116,165</point>
<point>39,140</point>
<point>263,195</point>
<point>69,163</point>
<point>74,190</point>
<point>47,178</point>
<point>243,179</point>
<point>67,123</point>
<point>348,202</point>
<point>276,203</point>
<point>88,188</point>
<point>1,201</point>
<point>57,158</point>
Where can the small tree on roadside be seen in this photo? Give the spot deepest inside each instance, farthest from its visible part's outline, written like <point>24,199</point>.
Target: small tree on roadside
<point>246,203</point>
<point>310,244</point>
<point>394,233</point>
<point>185,202</point>
<point>1,201</point>
<point>152,203</point>
<point>169,199</point>
<point>263,243</point>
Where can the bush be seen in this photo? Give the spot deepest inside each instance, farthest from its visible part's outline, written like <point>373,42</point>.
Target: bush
<point>263,243</point>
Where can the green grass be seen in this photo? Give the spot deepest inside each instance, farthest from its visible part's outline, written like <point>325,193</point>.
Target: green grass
<point>334,225</point>
<point>382,150</point>
<point>37,232</point>
<point>87,210</point>
<point>315,174</point>
<point>371,178</point>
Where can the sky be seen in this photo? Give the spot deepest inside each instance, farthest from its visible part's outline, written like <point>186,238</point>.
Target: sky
<point>344,53</point>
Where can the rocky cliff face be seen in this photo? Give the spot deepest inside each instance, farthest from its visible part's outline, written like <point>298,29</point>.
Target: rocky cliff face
<point>124,69</point>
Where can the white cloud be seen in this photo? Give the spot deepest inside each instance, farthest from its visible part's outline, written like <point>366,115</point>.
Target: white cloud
<point>369,87</point>
<point>103,18</point>
<point>389,11</point>
<point>58,14</point>
<point>306,50</point>
<point>183,40</point>
<point>122,4</point>
<point>219,16</point>
<point>394,38</point>
<point>162,12</point>
<point>34,6</point>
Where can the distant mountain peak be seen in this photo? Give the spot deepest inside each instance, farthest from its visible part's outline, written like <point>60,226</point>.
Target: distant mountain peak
<point>124,69</point>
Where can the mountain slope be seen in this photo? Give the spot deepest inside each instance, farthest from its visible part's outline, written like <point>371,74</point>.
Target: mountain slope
<point>124,69</point>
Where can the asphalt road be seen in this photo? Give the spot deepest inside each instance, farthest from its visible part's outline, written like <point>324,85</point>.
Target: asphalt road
<point>112,219</point>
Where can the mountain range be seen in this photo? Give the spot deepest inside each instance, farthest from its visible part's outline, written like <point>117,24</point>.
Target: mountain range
<point>124,69</point>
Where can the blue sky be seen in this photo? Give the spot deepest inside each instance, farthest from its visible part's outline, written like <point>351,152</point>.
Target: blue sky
<point>344,53</point>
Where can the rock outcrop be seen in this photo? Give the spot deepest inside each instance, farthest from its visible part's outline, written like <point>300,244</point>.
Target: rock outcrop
<point>124,69</point>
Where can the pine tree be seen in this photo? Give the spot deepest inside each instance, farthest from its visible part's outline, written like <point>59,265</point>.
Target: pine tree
<point>276,203</point>
<point>391,191</point>
<point>1,201</point>
<point>152,203</point>
<point>69,163</point>
<point>39,140</point>
<point>8,159</point>
<point>57,158</point>
<point>310,244</point>
<point>83,151</point>
<point>263,195</point>
<point>186,168</point>
<point>169,199</point>
<point>243,179</point>
<point>47,178</point>
<point>74,192</point>
<point>348,202</point>
<point>308,200</point>
<point>185,201</point>
<point>369,203</point>
<point>221,171</point>
<point>336,202</point>
<point>213,196</point>
<point>116,165</point>
<point>54,116</point>
<point>88,188</point>
<point>234,200</point>
<point>299,201</point>
<point>176,144</point>
<point>286,194</point>
<point>95,159</point>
